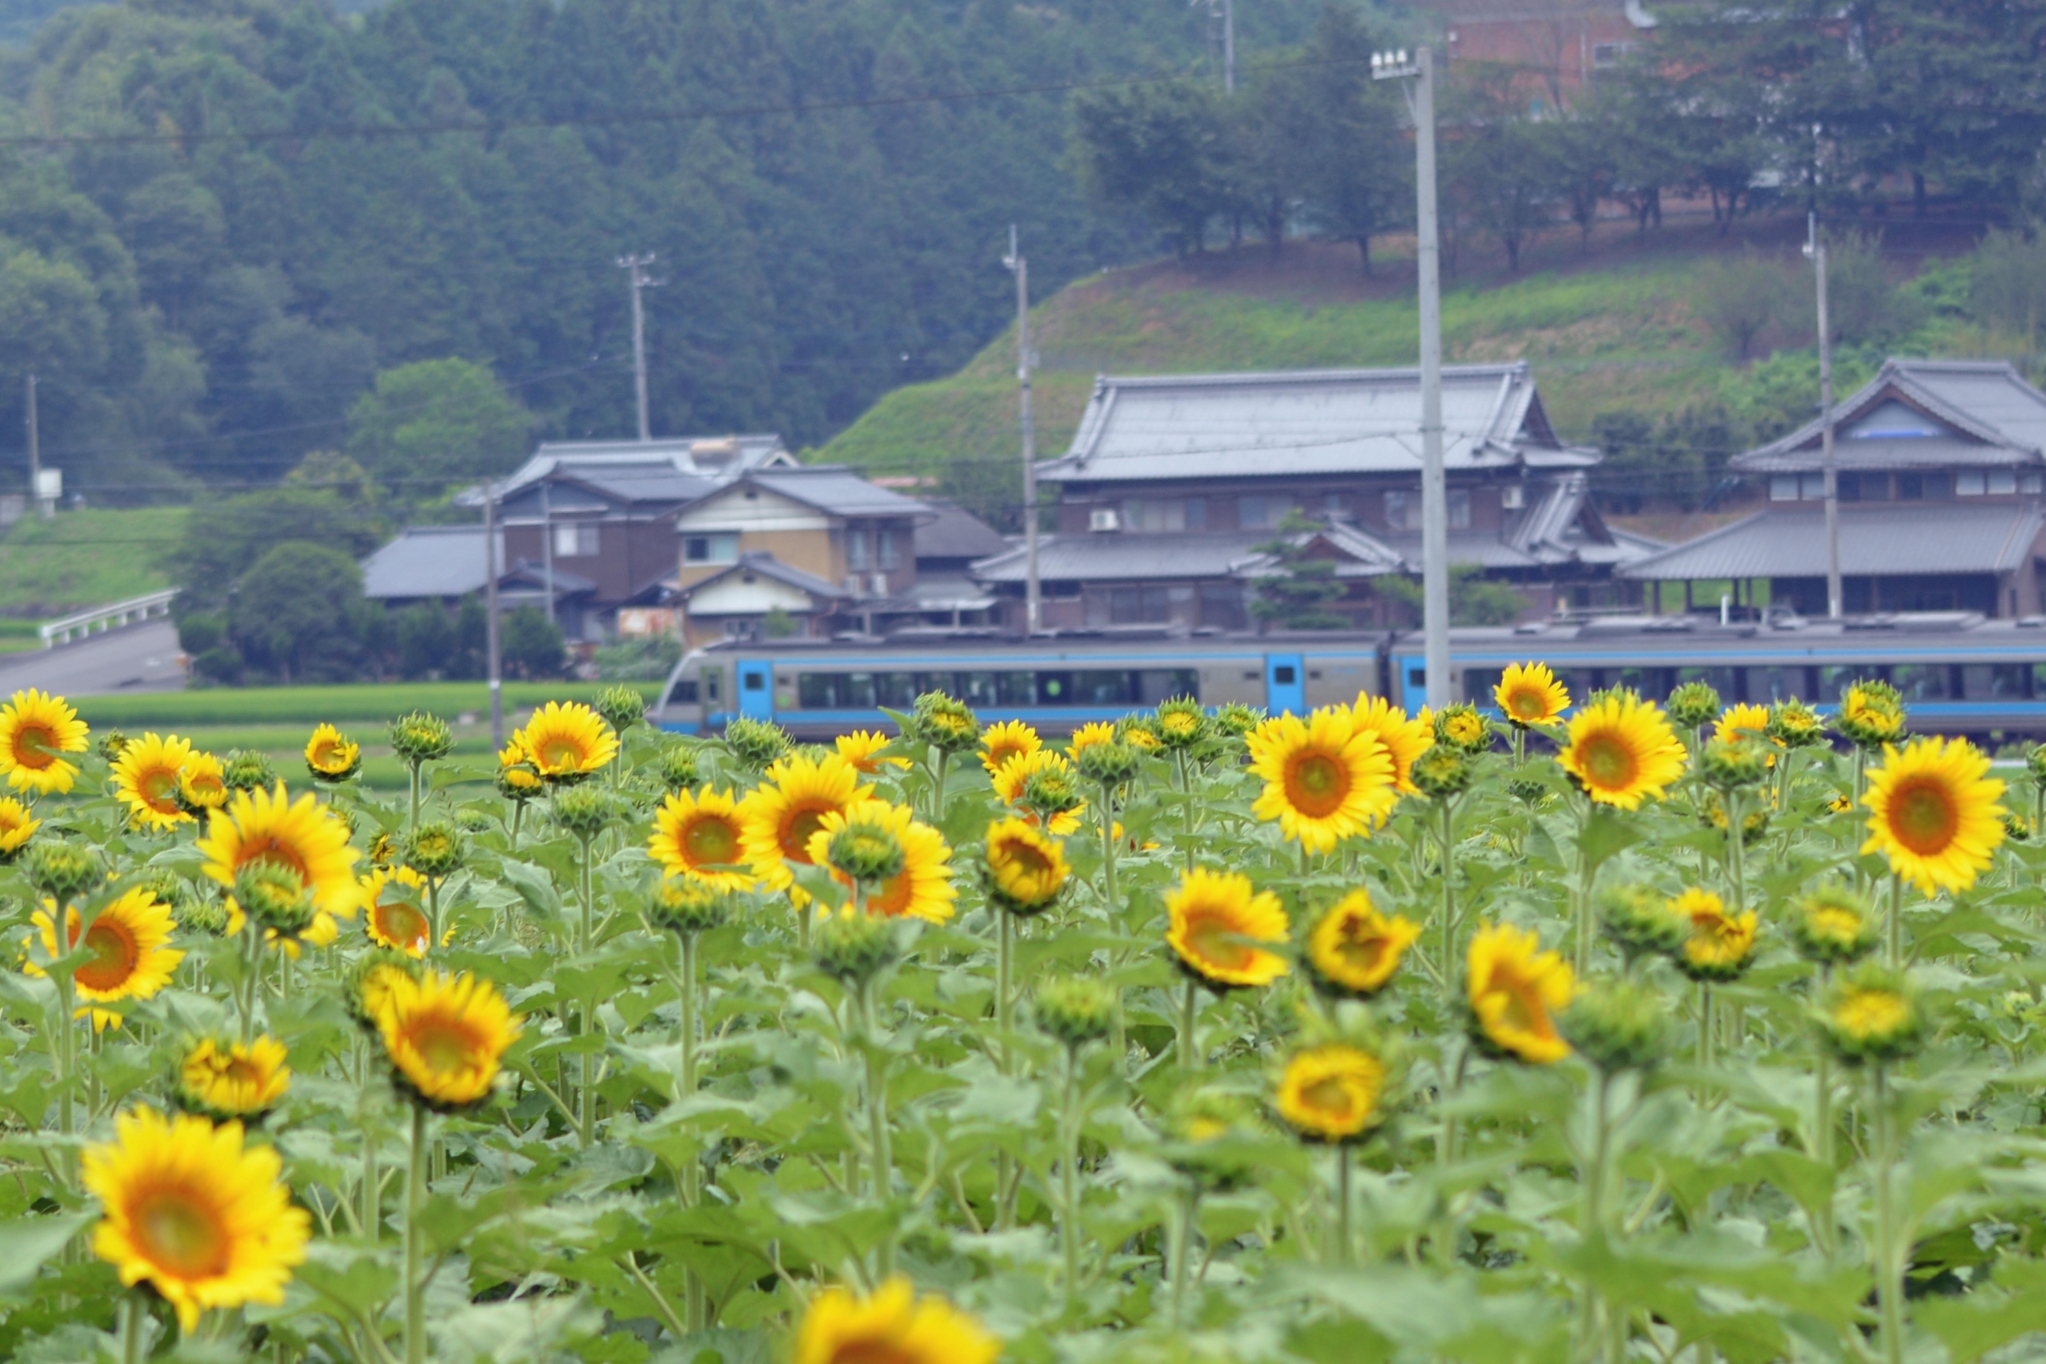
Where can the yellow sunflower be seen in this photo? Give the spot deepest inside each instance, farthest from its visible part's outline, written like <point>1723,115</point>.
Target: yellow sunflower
<point>202,783</point>
<point>1622,750</point>
<point>127,940</point>
<point>923,888</point>
<point>1356,949</point>
<point>1009,739</point>
<point>862,748</point>
<point>391,920</point>
<point>146,779</point>
<point>1515,991</point>
<point>1025,868</point>
<point>227,1080</point>
<point>701,836</point>
<point>1720,944</point>
<point>1529,694</point>
<point>187,1207</point>
<point>1018,770</point>
<point>268,828</point>
<point>331,757</point>
<point>1744,720</point>
<point>36,730</point>
<point>1405,737</point>
<point>893,1326</point>
<point>1933,813</point>
<point>1223,932</point>
<point>1089,734</point>
<point>789,805</point>
<point>567,740</point>
<point>1325,778</point>
<point>445,1035</point>
<point>1331,1092</point>
<point>17,826</point>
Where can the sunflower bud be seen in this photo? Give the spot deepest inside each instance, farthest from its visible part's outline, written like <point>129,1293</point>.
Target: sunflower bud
<point>1872,1016</point>
<point>1732,763</point>
<point>111,745</point>
<point>948,725</point>
<point>1794,724</point>
<point>246,770</point>
<point>434,849</point>
<point>18,825</point>
<point>1235,719</point>
<point>421,738</point>
<point>383,850</point>
<point>1443,771</point>
<point>1355,949</point>
<point>519,781</point>
<point>364,992</point>
<point>1181,723</point>
<point>1139,733</point>
<point>64,871</point>
<point>2016,827</point>
<point>1833,925</point>
<point>1712,813</point>
<point>231,1081</point>
<point>854,947</point>
<point>2035,762</point>
<point>331,757</point>
<point>1692,704</point>
<point>583,811</point>
<point>688,905</point>
<point>622,707</point>
<point>276,898</point>
<point>1213,1138</point>
<point>1871,714</point>
<point>202,913</point>
<point>1617,1025</point>
<point>1527,791</point>
<point>1721,944</point>
<point>1024,868</point>
<point>1109,764</point>
<point>1641,920</point>
<point>1461,726</point>
<point>678,767</point>
<point>756,743</point>
<point>1076,1010</point>
<point>1049,791</point>
<point>867,854</point>
<point>1333,1092</point>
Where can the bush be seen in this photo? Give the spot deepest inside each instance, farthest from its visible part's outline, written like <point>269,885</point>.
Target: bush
<point>298,612</point>
<point>647,659</point>
<point>426,639</point>
<point>1738,299</point>
<point>531,644</point>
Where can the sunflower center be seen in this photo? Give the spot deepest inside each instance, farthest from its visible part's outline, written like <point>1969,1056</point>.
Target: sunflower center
<point>1216,941</point>
<point>1360,948</point>
<point>1524,1012</point>
<point>893,898</point>
<point>401,923</point>
<point>181,1235</point>
<point>797,826</point>
<point>1526,705</point>
<point>710,843</point>
<point>1609,762</point>
<point>874,1352</point>
<point>1923,818</point>
<point>243,1073</point>
<point>1317,784</point>
<point>1026,859</point>
<point>442,1045</point>
<point>999,755</point>
<point>268,852</point>
<point>1869,1012</point>
<point>35,746</point>
<point>114,955</point>
<point>1331,1098</point>
<point>159,789</point>
<point>561,753</point>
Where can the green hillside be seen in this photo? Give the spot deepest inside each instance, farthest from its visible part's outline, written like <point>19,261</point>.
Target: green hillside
<point>84,558</point>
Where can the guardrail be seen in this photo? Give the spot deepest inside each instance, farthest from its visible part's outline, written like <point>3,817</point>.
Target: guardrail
<point>103,618</point>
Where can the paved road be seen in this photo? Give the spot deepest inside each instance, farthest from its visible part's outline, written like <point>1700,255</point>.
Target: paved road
<point>141,657</point>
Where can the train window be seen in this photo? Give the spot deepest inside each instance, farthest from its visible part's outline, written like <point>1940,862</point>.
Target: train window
<point>1479,684</point>
<point>1054,689</point>
<point>2039,679</point>
<point>684,693</point>
<point>1765,686</point>
<point>935,682</point>
<point>897,691</point>
<point>1416,677</point>
<point>713,684</point>
<point>1835,679</point>
<point>754,680</point>
<point>817,691</point>
<point>976,689</point>
<point>1283,675</point>
<point>1103,689</point>
<point>1920,681</point>
<point>1650,684</point>
<point>1162,684</point>
<point>1994,681</point>
<point>856,692</point>
<point>1721,680</point>
<point>1016,689</point>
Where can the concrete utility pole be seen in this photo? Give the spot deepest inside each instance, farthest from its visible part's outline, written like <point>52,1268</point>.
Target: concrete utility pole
<point>637,266</point>
<point>1434,484</point>
<point>547,545</point>
<point>493,653</point>
<point>1033,610</point>
<point>44,509</point>
<point>1815,247</point>
<point>1229,46</point>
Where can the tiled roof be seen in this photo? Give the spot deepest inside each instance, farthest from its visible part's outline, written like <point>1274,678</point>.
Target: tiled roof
<point>767,566</point>
<point>836,489</point>
<point>956,533</point>
<point>1917,537</point>
<point>447,561</point>
<point>1126,557</point>
<point>1920,414</point>
<point>638,467</point>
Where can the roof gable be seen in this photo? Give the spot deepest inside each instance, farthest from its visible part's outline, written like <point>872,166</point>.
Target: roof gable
<point>1922,413</point>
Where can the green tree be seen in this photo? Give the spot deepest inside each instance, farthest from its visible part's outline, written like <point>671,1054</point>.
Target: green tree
<point>297,613</point>
<point>1301,588</point>
<point>223,537</point>
<point>1740,298</point>
<point>1474,599</point>
<point>1162,150</point>
<point>426,639</point>
<point>430,424</point>
<point>1501,173</point>
<point>531,644</point>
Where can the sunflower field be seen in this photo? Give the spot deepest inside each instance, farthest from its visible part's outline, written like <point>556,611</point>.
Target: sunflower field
<point>1587,1029</point>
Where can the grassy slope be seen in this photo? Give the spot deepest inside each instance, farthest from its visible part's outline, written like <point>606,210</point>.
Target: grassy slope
<point>84,558</point>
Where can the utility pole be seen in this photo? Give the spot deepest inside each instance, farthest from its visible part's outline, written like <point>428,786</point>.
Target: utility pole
<point>493,653</point>
<point>1033,611</point>
<point>1434,484</point>
<point>1815,247</point>
<point>637,266</point>
<point>35,458</point>
<point>1229,46</point>
<point>547,546</point>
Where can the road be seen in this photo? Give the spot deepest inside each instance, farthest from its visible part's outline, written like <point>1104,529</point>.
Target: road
<point>142,657</point>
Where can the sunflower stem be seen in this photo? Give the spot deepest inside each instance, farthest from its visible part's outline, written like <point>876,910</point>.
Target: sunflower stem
<point>1822,1135</point>
<point>1893,926</point>
<point>413,827</point>
<point>1592,1223</point>
<point>518,818</point>
<point>1736,866</point>
<point>132,1314</point>
<point>1069,1174</point>
<point>1448,967</point>
<point>1705,1025</point>
<point>1182,1250</point>
<point>1580,895</point>
<point>1345,1242</point>
<point>877,1114</point>
<point>1889,1259</point>
<point>938,785</point>
<point>415,1240</point>
<point>1108,847</point>
<point>1187,792</point>
<point>1189,1008</point>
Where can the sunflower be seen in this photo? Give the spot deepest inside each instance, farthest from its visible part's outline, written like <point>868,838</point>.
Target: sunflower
<point>1529,694</point>
<point>331,757</point>
<point>225,1080</point>
<point>268,828</point>
<point>1720,945</point>
<point>1405,738</point>
<point>17,826</point>
<point>391,920</point>
<point>1354,949</point>
<point>779,815</point>
<point>1223,932</point>
<point>1089,734</point>
<point>893,1326</point>
<point>567,741</point>
<point>922,888</point>
<point>202,783</point>
<point>1331,1092</point>
<point>1872,1015</point>
<point>36,730</point>
<point>184,1205</point>
<point>1138,733</point>
<point>1009,739</point>
<point>1871,714</point>
<point>862,748</point>
<point>445,1035</point>
<point>146,779</point>
<point>1515,991</point>
<point>1325,778</point>
<point>701,836</point>
<point>1933,813</point>
<point>1621,750</point>
<point>127,941</point>
<point>1015,774</point>
<point>1026,869</point>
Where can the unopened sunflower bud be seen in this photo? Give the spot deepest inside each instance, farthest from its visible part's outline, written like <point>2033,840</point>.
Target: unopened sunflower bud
<point>435,849</point>
<point>1733,763</point>
<point>583,811</point>
<point>622,707</point>
<point>112,743</point>
<point>1443,771</point>
<point>383,850</point>
<point>756,743</point>
<point>867,854</point>
<point>1833,925</point>
<point>1213,1138</point>
<point>1076,1010</point>
<point>1692,704</point>
<point>2016,827</point>
<point>1641,920</point>
<point>2018,1006</point>
<point>520,781</point>
<point>1108,764</point>
<point>276,898</point>
<point>1872,1017</point>
<point>1049,791</point>
<point>1461,726</point>
<point>678,767</point>
<point>689,905</point>
<point>854,947</point>
<point>1794,724</point>
<point>1871,714</point>
<point>1527,791</point>
<point>421,738</point>
<point>1181,723</point>
<point>2035,762</point>
<point>245,770</point>
<point>1236,719</point>
<point>1617,1025</point>
<point>202,913</point>
<point>946,724</point>
<point>64,871</point>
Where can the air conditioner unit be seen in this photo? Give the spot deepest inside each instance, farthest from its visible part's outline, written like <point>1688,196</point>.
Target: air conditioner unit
<point>1104,518</point>
<point>1511,497</point>
<point>879,584</point>
<point>852,584</point>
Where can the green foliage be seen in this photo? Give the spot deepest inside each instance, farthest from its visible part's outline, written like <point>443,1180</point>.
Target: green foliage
<point>1473,599</point>
<point>429,424</point>
<point>223,539</point>
<point>298,613</point>
<point>646,658</point>
<point>1300,590</point>
<point>530,644</point>
<point>85,558</point>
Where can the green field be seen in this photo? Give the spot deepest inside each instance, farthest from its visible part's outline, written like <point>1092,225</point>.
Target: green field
<point>84,558</point>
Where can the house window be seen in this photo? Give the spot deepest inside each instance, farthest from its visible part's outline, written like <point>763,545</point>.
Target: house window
<point>1156,514</point>
<point>2032,482</point>
<point>1924,487</point>
<point>1222,606</point>
<point>1402,511</point>
<point>1138,605</point>
<point>711,549</point>
<point>575,540</point>
<point>1335,506</point>
<point>1976,482</point>
<point>1459,508</point>
<point>1864,487</point>
<point>887,552</point>
<point>856,548</point>
<point>1783,488</point>
<point>1260,511</point>
<point>2003,482</point>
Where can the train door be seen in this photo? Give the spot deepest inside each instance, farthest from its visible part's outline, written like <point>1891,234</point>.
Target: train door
<point>1410,681</point>
<point>1285,684</point>
<point>756,688</point>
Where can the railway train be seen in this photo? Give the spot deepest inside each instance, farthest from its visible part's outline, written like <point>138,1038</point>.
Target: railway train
<point>1959,672</point>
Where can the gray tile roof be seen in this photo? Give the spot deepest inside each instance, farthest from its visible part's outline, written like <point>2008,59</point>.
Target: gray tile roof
<point>836,489</point>
<point>429,561</point>
<point>1918,414</point>
<point>1126,557</point>
<point>956,533</point>
<point>1912,537</point>
<point>715,458</point>
<point>1307,422</point>
<point>767,566</point>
